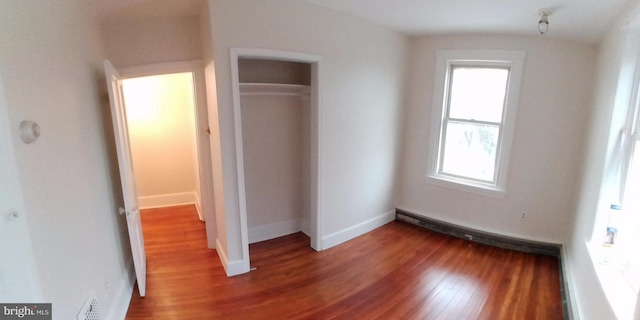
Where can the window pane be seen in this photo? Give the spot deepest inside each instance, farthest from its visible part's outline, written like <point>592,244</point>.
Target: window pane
<point>629,226</point>
<point>470,150</point>
<point>477,93</point>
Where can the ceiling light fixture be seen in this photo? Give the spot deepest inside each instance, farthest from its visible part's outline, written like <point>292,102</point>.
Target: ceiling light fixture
<point>543,24</point>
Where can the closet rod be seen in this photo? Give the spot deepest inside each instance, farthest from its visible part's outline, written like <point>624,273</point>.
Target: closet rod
<point>274,89</point>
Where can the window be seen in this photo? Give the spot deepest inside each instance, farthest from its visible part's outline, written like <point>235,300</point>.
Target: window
<point>628,224</point>
<point>613,246</point>
<point>476,93</point>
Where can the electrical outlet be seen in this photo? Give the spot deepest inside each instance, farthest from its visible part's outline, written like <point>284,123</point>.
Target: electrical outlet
<point>523,215</point>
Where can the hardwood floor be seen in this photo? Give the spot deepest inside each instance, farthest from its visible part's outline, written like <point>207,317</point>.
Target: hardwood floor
<point>398,271</point>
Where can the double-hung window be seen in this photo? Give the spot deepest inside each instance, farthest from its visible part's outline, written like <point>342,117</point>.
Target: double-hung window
<point>628,223</point>
<point>475,99</point>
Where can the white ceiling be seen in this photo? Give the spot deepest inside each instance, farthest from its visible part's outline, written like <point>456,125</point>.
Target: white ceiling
<point>581,20</point>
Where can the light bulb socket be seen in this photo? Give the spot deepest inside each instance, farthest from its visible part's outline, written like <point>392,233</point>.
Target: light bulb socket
<point>543,23</point>
<point>543,26</point>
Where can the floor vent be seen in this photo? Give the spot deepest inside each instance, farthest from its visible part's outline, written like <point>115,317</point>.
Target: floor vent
<point>90,310</point>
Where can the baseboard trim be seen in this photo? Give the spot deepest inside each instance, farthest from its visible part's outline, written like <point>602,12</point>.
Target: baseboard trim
<point>274,230</point>
<point>120,304</point>
<point>167,200</point>
<point>198,204</point>
<point>352,232</point>
<point>474,235</point>
<point>568,307</point>
<point>232,268</point>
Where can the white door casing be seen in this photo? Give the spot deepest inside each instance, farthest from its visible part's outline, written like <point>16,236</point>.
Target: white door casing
<point>127,179</point>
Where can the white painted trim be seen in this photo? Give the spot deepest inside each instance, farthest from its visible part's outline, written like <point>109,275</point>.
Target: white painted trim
<point>222,255</point>
<point>359,229</point>
<point>160,68</point>
<point>305,227</point>
<point>237,126</point>
<point>316,166</point>
<point>232,268</point>
<point>444,60</point>
<point>167,200</point>
<point>317,161</point>
<point>574,306</point>
<point>274,230</point>
<point>120,305</point>
<point>198,206</point>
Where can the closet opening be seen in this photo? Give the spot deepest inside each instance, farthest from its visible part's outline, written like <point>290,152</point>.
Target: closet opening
<point>274,102</point>
<point>277,120</point>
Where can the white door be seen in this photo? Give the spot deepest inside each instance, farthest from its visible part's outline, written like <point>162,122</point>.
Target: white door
<point>126,175</point>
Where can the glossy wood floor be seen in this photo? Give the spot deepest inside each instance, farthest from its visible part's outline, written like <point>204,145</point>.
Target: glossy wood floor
<point>398,271</point>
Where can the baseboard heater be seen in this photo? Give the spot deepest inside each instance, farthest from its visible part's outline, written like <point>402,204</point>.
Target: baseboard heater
<point>491,239</point>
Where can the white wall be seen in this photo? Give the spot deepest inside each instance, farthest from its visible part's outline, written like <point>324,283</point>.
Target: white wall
<point>361,98</point>
<point>545,156</point>
<point>161,122</point>
<point>52,73</point>
<point>617,58</point>
<point>19,281</point>
<point>152,40</point>
<point>272,135</point>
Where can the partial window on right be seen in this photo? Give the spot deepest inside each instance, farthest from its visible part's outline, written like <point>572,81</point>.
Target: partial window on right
<point>627,225</point>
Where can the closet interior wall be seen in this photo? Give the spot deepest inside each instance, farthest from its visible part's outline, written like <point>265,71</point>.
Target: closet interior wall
<point>275,113</point>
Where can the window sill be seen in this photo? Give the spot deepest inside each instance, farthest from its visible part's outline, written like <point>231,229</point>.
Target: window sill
<point>466,186</point>
<point>619,292</point>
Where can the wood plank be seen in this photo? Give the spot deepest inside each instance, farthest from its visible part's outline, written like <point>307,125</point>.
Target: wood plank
<point>398,271</point>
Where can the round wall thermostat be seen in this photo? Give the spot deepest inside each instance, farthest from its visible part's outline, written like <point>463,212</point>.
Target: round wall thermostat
<point>29,131</point>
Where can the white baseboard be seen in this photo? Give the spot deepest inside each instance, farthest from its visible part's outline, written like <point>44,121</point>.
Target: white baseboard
<point>232,268</point>
<point>305,226</point>
<point>274,230</point>
<point>347,234</point>
<point>574,304</point>
<point>198,206</point>
<point>167,200</point>
<point>123,294</point>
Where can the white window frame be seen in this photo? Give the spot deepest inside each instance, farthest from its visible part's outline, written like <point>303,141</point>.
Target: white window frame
<point>629,142</point>
<point>445,59</point>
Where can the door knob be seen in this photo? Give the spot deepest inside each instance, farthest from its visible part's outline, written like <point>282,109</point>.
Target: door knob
<point>121,210</point>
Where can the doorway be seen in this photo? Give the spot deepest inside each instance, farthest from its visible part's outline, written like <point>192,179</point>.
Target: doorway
<point>161,122</point>
<point>169,140</point>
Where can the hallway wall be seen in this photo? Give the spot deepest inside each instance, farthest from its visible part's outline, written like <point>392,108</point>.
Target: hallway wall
<point>160,115</point>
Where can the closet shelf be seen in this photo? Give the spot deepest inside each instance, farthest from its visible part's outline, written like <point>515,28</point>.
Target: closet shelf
<point>278,89</point>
